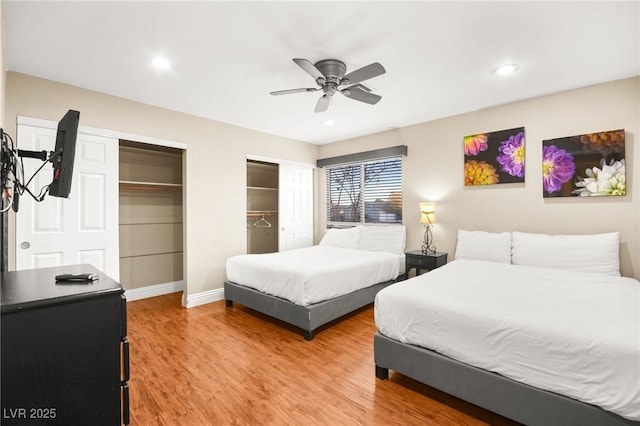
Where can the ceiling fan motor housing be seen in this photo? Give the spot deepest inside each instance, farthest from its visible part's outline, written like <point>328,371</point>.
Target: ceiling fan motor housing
<point>332,69</point>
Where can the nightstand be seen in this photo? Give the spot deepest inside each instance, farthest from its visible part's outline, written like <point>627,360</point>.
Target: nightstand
<point>423,261</point>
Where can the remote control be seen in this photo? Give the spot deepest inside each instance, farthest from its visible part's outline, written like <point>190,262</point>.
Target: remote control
<point>77,277</point>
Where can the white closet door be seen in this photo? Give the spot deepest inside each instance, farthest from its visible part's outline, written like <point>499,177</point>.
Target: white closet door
<point>82,228</point>
<point>295,211</point>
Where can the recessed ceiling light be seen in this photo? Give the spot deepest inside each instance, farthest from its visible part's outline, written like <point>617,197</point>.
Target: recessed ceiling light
<point>160,63</point>
<point>328,122</point>
<point>506,69</point>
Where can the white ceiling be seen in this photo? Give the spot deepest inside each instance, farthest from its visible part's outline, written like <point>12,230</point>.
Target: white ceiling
<point>227,56</point>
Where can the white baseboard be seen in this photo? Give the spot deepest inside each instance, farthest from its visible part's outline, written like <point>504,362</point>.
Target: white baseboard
<point>167,288</point>
<point>153,290</point>
<point>203,298</point>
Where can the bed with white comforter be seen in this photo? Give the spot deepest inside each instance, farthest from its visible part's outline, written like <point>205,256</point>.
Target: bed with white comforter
<point>311,286</point>
<point>570,332</point>
<point>313,274</point>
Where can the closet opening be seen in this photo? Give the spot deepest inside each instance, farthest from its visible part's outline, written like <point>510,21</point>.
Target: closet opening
<point>151,215</point>
<point>262,207</point>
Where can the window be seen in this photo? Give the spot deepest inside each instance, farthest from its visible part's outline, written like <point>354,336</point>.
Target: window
<point>366,192</point>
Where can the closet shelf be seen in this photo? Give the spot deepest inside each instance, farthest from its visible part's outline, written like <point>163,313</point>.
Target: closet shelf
<point>262,188</point>
<point>152,221</point>
<point>149,186</point>
<point>160,253</point>
<point>252,213</point>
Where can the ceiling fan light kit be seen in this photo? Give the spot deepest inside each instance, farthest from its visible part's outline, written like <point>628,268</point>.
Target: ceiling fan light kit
<point>329,75</point>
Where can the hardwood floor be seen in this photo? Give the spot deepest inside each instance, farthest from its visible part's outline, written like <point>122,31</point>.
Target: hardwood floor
<point>213,365</point>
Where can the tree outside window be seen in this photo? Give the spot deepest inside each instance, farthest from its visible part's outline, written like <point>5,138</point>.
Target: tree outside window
<point>368,192</point>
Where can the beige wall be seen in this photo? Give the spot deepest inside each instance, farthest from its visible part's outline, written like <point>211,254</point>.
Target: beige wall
<point>2,71</point>
<point>2,92</point>
<point>433,170</point>
<point>215,168</point>
<point>216,154</point>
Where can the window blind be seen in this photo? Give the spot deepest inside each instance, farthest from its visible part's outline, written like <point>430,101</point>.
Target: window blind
<point>365,192</point>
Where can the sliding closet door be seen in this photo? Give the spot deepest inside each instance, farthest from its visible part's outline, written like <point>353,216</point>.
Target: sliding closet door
<point>296,206</point>
<point>82,228</point>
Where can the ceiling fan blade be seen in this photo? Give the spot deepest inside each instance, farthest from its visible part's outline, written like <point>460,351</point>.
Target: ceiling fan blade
<point>364,73</point>
<point>286,92</point>
<point>361,86</point>
<point>323,103</point>
<point>358,94</point>
<point>310,69</point>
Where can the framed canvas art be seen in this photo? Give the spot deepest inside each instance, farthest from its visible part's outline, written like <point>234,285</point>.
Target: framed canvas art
<point>494,157</point>
<point>587,165</point>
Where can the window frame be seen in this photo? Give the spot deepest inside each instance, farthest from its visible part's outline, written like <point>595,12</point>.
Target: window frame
<point>396,185</point>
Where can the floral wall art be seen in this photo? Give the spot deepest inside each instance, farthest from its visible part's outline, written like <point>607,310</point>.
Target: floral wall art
<point>586,165</point>
<point>495,157</point>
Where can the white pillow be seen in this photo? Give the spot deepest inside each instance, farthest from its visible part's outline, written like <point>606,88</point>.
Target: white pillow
<point>345,238</point>
<point>481,245</point>
<point>587,253</point>
<point>383,238</point>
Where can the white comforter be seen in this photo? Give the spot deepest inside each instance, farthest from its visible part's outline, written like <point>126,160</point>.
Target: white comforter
<point>576,334</point>
<point>313,274</point>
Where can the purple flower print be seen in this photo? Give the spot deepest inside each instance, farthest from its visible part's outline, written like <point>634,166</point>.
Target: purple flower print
<point>557,168</point>
<point>511,159</point>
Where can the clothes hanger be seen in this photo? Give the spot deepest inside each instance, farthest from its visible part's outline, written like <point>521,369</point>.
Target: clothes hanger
<point>262,223</point>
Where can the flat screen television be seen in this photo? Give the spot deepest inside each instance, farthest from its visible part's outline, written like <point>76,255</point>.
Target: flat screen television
<point>64,154</point>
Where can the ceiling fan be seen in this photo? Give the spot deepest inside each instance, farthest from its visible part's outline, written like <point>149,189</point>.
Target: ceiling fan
<point>330,77</point>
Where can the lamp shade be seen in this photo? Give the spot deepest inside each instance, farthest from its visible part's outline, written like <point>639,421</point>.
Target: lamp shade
<point>427,213</point>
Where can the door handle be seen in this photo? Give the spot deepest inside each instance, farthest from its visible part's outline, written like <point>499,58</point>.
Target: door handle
<point>125,360</point>
<point>25,245</point>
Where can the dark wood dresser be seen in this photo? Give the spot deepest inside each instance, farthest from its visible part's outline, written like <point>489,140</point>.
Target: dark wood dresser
<point>65,353</point>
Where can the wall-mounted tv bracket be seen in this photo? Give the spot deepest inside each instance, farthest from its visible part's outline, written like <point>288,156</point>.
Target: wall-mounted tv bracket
<point>40,155</point>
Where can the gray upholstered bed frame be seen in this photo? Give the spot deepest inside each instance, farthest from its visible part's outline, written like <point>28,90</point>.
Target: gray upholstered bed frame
<point>308,318</point>
<point>488,390</point>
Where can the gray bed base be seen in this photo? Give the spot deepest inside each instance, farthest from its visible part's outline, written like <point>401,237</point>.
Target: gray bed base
<point>308,318</point>
<point>515,400</point>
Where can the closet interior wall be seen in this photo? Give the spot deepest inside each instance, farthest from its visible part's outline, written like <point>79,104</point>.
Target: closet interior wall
<point>262,207</point>
<point>151,221</point>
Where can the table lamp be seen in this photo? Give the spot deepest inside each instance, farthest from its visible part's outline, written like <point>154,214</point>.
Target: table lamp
<point>428,218</point>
